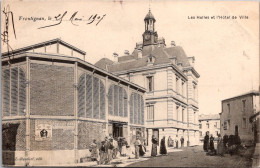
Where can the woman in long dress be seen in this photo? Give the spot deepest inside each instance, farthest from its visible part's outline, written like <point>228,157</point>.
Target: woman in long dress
<point>220,146</point>
<point>211,143</point>
<point>123,146</point>
<point>163,150</point>
<point>206,142</point>
<point>154,146</point>
<point>94,151</point>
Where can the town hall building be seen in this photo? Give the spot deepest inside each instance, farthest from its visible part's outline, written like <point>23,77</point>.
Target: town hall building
<point>171,81</point>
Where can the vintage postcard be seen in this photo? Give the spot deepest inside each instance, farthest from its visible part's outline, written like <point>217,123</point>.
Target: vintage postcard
<point>127,83</point>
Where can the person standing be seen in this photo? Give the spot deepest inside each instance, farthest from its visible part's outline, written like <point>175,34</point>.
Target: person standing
<point>123,146</point>
<point>154,146</point>
<point>170,142</point>
<point>211,144</point>
<point>163,150</point>
<point>102,152</point>
<point>206,142</point>
<point>176,142</point>
<point>137,146</point>
<point>220,146</point>
<point>182,142</point>
<point>94,151</point>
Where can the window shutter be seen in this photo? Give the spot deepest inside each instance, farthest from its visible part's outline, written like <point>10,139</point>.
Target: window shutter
<point>125,104</point>
<point>6,92</point>
<point>81,96</point>
<point>110,100</point>
<point>89,96</point>
<point>22,92</point>
<point>102,101</point>
<point>96,98</point>
<point>14,91</point>
<point>121,102</point>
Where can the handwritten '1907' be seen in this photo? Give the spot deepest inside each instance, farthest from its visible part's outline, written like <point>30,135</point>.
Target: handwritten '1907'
<point>73,18</point>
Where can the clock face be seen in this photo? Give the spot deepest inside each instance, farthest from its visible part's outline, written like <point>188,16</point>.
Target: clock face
<point>147,37</point>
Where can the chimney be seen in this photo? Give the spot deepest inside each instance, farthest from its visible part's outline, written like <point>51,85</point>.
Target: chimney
<point>179,65</point>
<point>173,60</point>
<point>115,57</point>
<point>126,52</point>
<point>139,53</point>
<point>173,44</point>
<point>191,60</point>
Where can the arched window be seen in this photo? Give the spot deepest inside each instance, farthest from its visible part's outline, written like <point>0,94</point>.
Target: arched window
<point>91,97</point>
<point>14,92</point>
<point>117,101</point>
<point>136,109</point>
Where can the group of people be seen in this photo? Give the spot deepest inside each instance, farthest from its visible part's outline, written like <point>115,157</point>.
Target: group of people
<point>108,149</point>
<point>227,144</point>
<point>171,142</point>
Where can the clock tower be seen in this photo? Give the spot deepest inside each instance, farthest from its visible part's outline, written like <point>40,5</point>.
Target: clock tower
<point>150,36</point>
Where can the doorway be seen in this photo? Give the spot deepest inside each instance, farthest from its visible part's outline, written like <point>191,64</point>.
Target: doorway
<point>156,134</point>
<point>117,130</point>
<point>236,130</point>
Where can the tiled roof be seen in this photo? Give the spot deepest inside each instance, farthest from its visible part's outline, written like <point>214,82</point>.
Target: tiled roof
<point>252,92</point>
<point>103,62</point>
<point>209,117</point>
<point>161,55</point>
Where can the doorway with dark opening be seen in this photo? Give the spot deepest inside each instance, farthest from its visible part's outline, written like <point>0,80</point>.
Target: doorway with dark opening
<point>119,129</point>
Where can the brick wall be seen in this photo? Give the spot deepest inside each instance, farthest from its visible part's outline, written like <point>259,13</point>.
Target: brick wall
<point>62,135</point>
<point>87,131</point>
<point>51,88</point>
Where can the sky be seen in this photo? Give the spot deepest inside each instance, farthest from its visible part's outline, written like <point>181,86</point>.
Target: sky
<point>226,50</point>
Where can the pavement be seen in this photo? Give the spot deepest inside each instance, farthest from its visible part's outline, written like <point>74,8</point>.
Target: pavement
<point>184,157</point>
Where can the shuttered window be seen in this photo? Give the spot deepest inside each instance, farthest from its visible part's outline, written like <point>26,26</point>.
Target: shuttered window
<point>102,95</point>
<point>81,96</point>
<point>131,104</point>
<point>125,104</point>
<point>96,98</point>
<point>121,104</point>
<point>14,92</point>
<point>89,88</point>
<point>117,101</point>
<point>91,97</point>
<point>110,100</point>
<point>136,109</point>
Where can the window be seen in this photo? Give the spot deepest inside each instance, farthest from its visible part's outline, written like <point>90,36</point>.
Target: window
<point>244,123</point>
<point>228,106</point>
<point>228,124</point>
<point>207,125</point>
<point>200,125</point>
<point>200,134</point>
<point>216,124</point>
<point>216,133</point>
<point>91,97</point>
<point>194,91</point>
<point>14,92</point>
<point>225,125</point>
<point>177,113</point>
<point>136,109</point>
<point>182,116</point>
<point>177,85</point>
<point>182,88</point>
<point>150,112</point>
<point>150,83</point>
<point>244,105</point>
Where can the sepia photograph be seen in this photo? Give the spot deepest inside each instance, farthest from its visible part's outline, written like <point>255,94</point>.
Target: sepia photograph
<point>130,83</point>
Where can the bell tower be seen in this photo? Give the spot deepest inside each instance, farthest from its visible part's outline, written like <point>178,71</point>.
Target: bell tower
<point>150,36</point>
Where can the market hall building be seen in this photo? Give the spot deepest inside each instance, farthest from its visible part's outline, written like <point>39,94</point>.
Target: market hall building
<point>171,81</point>
<point>54,104</point>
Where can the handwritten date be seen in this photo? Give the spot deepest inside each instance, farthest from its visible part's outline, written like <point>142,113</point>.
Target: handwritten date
<point>74,19</point>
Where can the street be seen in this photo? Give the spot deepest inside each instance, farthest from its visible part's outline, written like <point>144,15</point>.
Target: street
<point>196,157</point>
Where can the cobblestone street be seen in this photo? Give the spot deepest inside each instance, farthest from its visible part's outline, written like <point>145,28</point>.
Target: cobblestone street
<point>196,157</point>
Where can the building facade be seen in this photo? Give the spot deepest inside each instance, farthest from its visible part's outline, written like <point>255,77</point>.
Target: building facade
<point>171,82</point>
<point>209,124</point>
<point>236,113</point>
<point>54,104</point>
